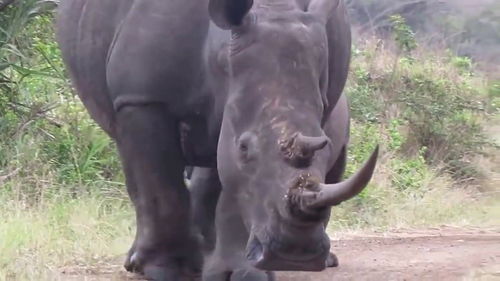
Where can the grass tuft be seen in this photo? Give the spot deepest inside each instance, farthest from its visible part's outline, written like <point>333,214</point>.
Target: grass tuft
<point>36,242</point>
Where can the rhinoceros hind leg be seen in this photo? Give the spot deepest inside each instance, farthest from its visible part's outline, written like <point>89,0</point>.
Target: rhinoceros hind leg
<point>165,248</point>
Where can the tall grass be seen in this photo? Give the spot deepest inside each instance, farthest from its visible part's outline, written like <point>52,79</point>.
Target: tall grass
<point>434,120</point>
<point>62,199</point>
<point>40,241</point>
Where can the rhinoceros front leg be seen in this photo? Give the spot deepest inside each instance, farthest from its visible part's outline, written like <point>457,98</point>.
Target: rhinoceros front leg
<point>165,248</point>
<point>228,261</point>
<point>205,188</point>
<point>334,176</point>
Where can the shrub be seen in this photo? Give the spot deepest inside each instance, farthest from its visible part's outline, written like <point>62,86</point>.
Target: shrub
<point>365,106</point>
<point>494,96</point>
<point>403,34</point>
<point>45,133</point>
<point>463,64</point>
<point>426,103</point>
<point>409,173</point>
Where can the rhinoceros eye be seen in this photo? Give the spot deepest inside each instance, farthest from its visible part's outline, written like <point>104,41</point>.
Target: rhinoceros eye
<point>246,146</point>
<point>243,147</point>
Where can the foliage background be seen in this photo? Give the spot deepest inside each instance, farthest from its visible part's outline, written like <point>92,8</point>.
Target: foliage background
<point>424,84</point>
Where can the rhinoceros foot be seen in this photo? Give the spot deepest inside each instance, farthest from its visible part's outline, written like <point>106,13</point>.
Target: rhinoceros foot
<point>252,275</point>
<point>240,275</point>
<point>163,266</point>
<point>332,260</point>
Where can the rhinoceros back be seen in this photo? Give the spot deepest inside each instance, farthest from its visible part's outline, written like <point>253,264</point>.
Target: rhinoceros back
<point>125,52</point>
<point>85,30</point>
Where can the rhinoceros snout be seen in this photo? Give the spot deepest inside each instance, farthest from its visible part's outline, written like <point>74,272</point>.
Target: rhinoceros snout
<point>302,193</point>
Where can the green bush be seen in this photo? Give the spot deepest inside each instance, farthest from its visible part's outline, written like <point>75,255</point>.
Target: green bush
<point>63,201</point>
<point>409,173</point>
<point>365,105</point>
<point>463,64</point>
<point>403,34</point>
<point>426,103</point>
<point>494,95</point>
<point>396,138</point>
<point>45,133</point>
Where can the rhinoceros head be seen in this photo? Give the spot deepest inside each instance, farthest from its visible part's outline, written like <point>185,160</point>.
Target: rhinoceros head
<point>273,153</point>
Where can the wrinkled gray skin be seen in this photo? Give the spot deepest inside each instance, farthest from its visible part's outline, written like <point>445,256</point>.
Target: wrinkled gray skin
<point>245,90</point>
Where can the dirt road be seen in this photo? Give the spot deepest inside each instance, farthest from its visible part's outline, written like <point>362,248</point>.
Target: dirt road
<point>445,254</point>
<point>433,254</point>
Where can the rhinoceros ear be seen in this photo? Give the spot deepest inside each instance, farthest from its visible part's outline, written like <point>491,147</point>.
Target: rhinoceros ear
<point>228,14</point>
<point>323,9</point>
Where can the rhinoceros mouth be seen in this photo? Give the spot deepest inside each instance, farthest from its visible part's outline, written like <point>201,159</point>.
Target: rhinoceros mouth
<point>270,256</point>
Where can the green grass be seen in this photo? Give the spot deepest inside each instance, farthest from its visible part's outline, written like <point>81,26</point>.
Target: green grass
<point>59,234</point>
<point>436,201</point>
<point>38,242</point>
<point>63,205</point>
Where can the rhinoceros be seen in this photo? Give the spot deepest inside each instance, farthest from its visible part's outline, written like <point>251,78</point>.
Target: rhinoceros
<point>249,93</point>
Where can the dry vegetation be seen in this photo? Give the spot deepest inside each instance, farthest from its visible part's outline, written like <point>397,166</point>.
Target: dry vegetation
<point>436,120</point>
<point>63,204</point>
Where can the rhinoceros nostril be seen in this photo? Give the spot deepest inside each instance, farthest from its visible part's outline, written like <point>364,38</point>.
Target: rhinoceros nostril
<point>299,200</point>
<point>303,191</point>
<point>255,250</point>
<point>306,182</point>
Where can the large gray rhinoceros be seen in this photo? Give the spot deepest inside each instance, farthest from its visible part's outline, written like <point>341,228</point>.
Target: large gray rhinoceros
<point>248,92</point>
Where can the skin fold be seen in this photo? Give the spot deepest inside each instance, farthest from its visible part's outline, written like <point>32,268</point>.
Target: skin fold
<point>248,95</point>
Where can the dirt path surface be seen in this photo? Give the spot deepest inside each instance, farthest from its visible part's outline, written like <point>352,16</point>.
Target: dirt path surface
<point>445,254</point>
<point>433,254</point>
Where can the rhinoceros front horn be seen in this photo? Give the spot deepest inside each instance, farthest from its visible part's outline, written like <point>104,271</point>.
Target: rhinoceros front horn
<point>334,194</point>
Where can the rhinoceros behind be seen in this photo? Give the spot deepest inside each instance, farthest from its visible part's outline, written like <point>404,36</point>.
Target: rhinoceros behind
<point>248,92</point>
